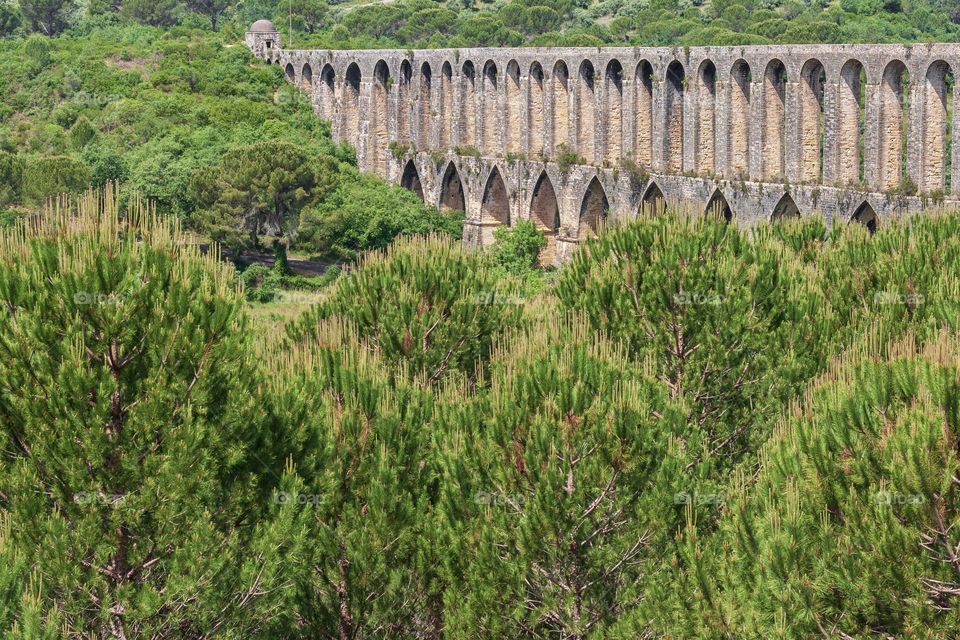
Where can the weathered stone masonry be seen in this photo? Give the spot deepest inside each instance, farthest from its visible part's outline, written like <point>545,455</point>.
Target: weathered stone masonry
<point>569,137</point>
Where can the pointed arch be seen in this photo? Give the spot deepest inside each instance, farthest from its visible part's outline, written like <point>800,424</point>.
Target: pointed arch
<point>867,216</point>
<point>545,213</point>
<point>586,112</point>
<point>290,74</point>
<point>593,210</point>
<point>411,179</point>
<point>561,106</point>
<point>491,134</point>
<point>494,206</point>
<point>643,124</point>
<point>851,118</point>
<point>327,84</point>
<point>351,104</point>
<point>613,112</point>
<point>774,119</point>
<point>452,194</point>
<point>379,115</point>
<point>675,85</point>
<point>741,80</point>
<point>544,206</point>
<point>811,87</point>
<point>894,107</point>
<point>425,107</point>
<point>937,145</point>
<point>404,102</point>
<point>785,209</point>
<point>468,104</point>
<point>718,207</point>
<point>306,77</point>
<point>706,131</point>
<point>536,115</point>
<point>653,202</point>
<point>446,106</point>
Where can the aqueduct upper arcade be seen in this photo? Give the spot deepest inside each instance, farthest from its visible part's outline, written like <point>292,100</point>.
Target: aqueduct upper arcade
<point>568,137</point>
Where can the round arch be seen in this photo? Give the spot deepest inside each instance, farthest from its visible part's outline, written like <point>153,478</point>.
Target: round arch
<point>811,88</point>
<point>851,111</point>
<point>706,121</point>
<point>738,158</point>
<point>613,112</point>
<point>774,126</point>
<point>536,111</point>
<point>675,85</point>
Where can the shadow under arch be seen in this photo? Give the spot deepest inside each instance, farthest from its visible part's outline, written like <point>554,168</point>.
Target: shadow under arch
<point>411,179</point>
<point>452,194</point>
<point>718,207</point>
<point>593,210</point>
<point>306,76</point>
<point>494,206</point>
<point>545,214</point>
<point>653,202</point>
<point>867,216</point>
<point>785,209</point>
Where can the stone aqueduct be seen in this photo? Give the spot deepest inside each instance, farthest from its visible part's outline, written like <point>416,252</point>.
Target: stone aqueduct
<point>570,136</point>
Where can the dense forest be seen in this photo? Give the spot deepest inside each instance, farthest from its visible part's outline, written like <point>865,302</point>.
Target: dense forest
<point>691,431</point>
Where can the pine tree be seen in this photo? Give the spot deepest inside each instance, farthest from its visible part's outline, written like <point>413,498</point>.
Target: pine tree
<point>563,488</point>
<point>424,302</point>
<point>361,453</point>
<point>136,451</point>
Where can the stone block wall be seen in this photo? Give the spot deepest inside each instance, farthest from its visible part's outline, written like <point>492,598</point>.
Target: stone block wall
<point>848,131</point>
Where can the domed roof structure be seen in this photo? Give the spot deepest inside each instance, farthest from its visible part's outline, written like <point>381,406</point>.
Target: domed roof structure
<point>263,26</point>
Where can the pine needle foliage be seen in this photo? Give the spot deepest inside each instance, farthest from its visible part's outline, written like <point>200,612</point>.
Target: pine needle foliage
<point>849,528</point>
<point>694,431</point>
<point>134,443</point>
<point>563,488</point>
<point>424,302</point>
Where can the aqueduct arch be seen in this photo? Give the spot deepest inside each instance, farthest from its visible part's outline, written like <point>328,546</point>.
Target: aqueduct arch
<point>866,216</point>
<point>494,206</point>
<point>545,213</point>
<point>653,202</point>
<point>452,195</point>
<point>561,106</point>
<point>718,207</point>
<point>756,130</point>
<point>785,209</point>
<point>411,179</point>
<point>593,210</point>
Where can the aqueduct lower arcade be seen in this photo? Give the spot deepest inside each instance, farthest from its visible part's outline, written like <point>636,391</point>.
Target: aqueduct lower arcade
<point>571,137</point>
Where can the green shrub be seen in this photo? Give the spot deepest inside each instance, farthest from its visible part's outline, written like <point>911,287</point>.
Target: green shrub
<point>517,248</point>
<point>48,176</point>
<point>11,178</point>
<point>82,133</point>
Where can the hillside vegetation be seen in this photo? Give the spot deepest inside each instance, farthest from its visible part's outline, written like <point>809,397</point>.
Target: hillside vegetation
<point>190,120</point>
